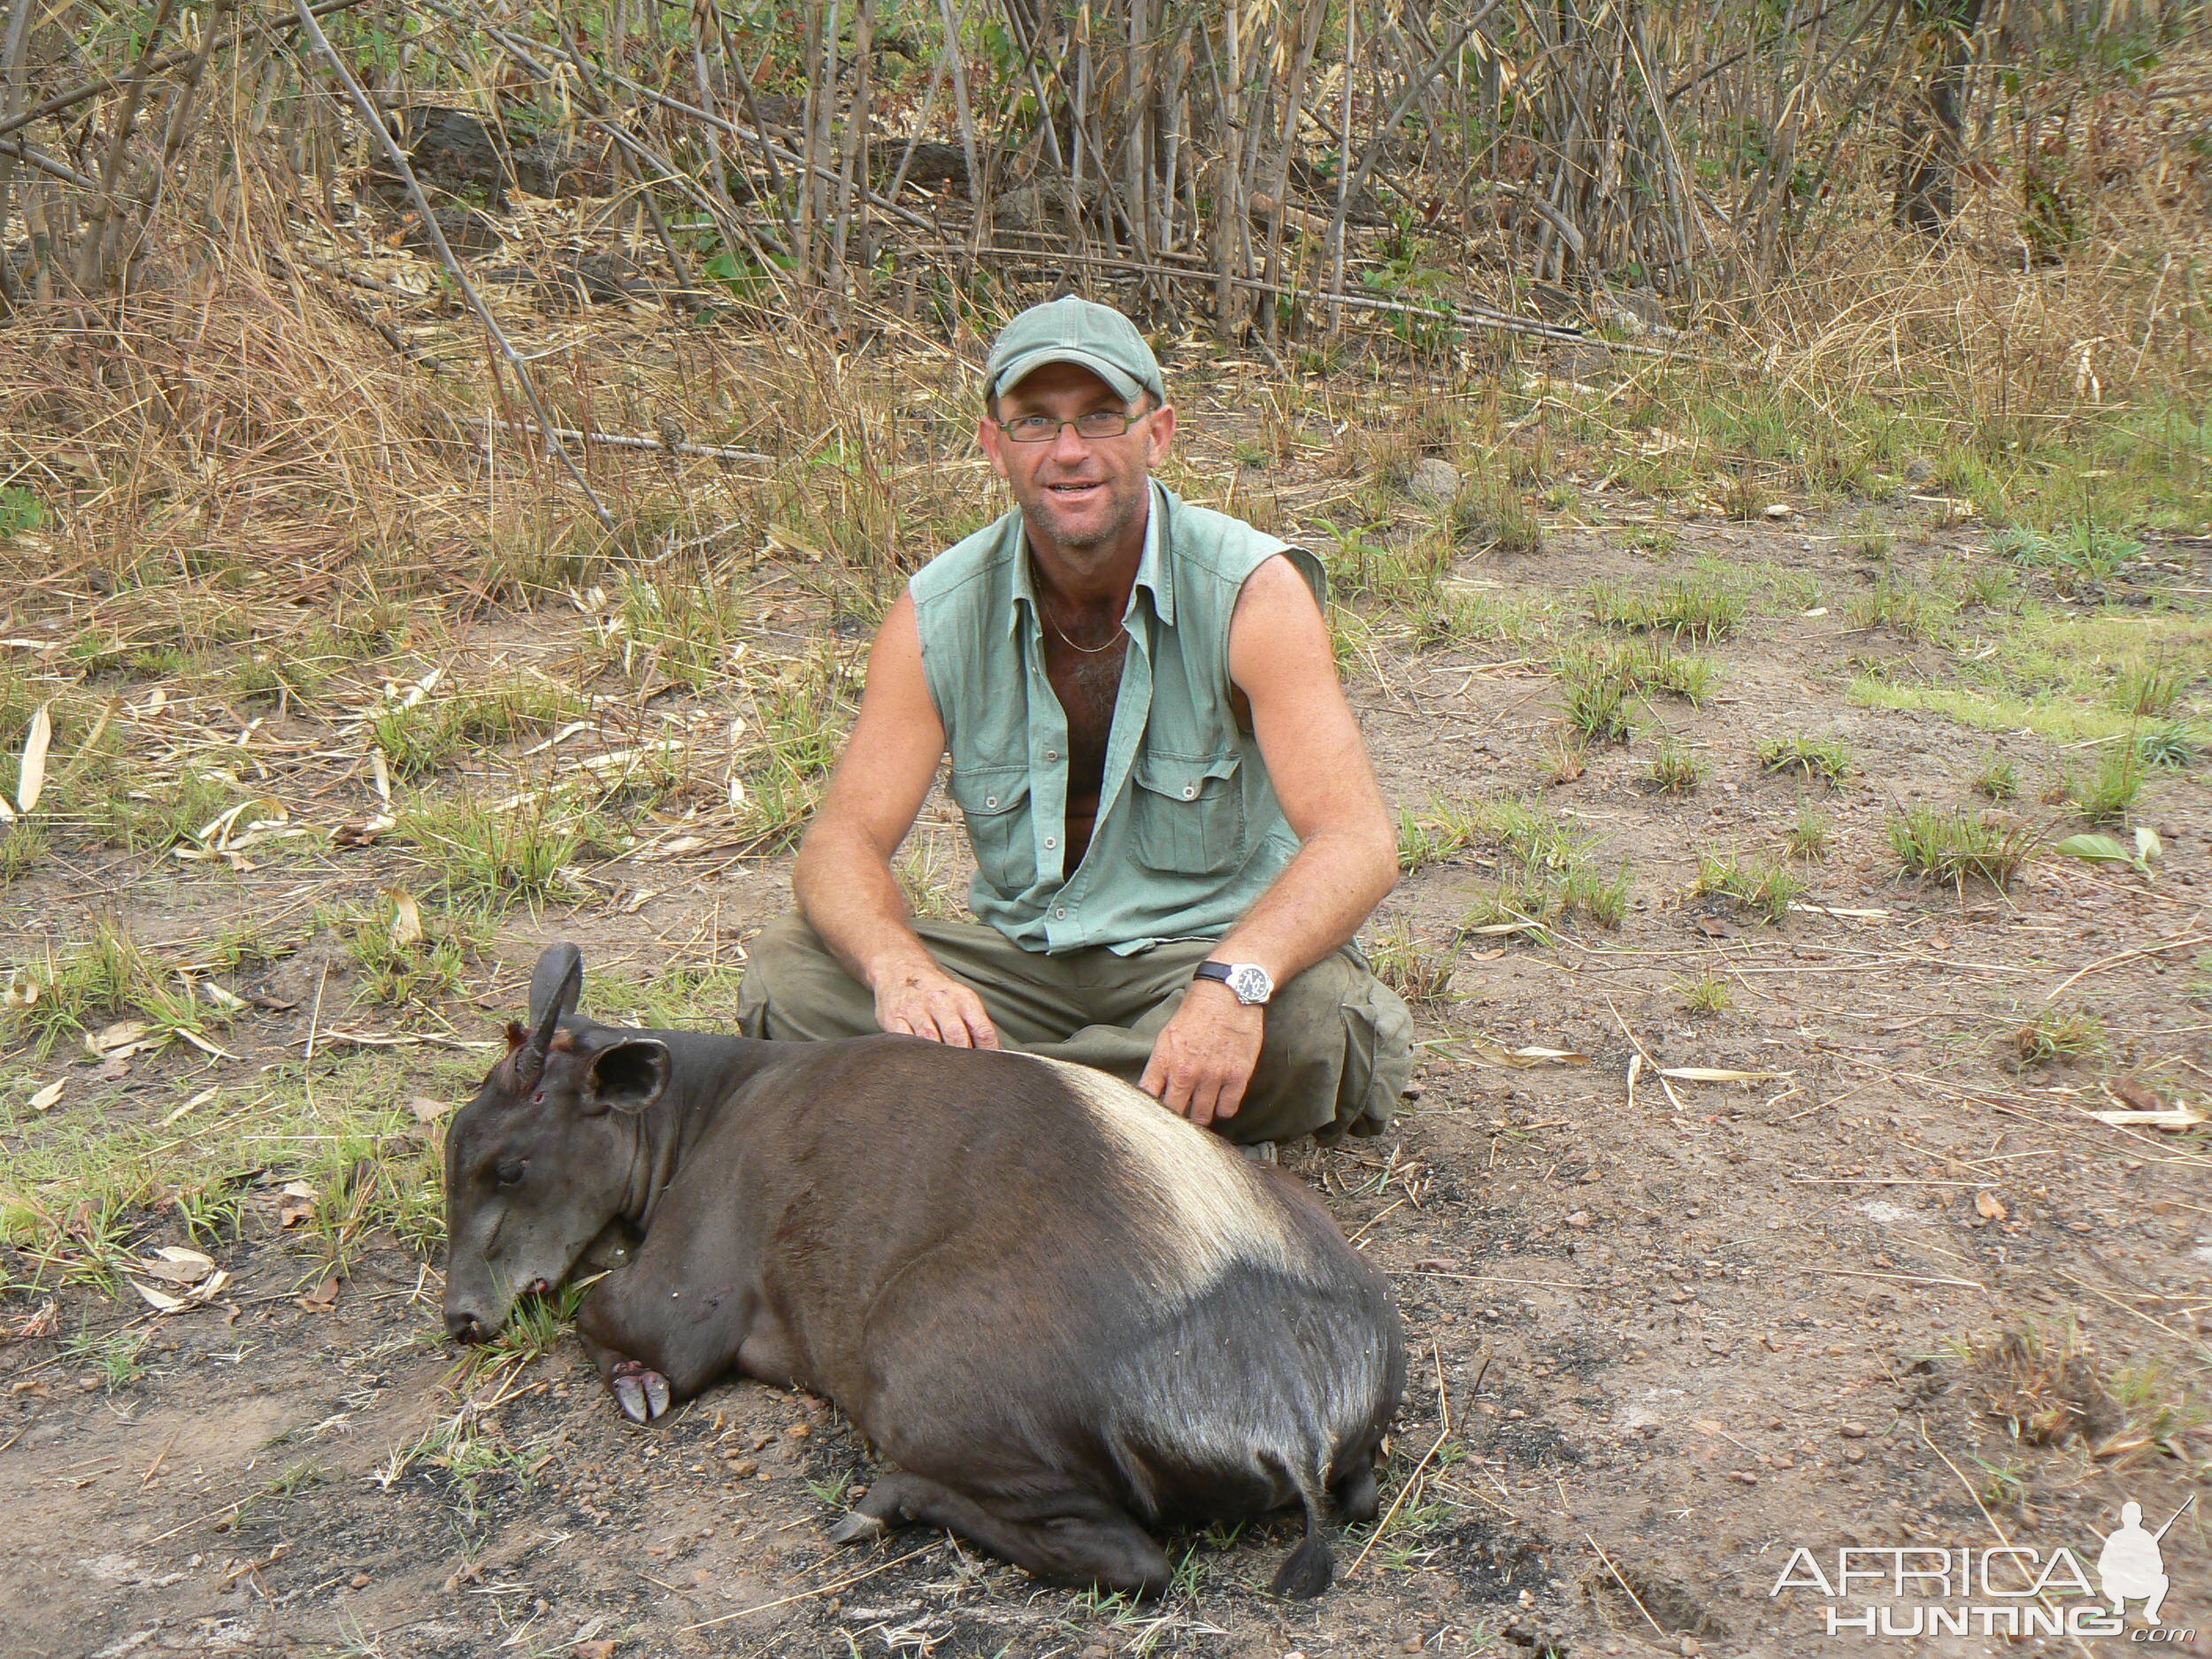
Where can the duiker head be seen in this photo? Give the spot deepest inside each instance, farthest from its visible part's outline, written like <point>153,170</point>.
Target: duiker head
<point>544,1157</point>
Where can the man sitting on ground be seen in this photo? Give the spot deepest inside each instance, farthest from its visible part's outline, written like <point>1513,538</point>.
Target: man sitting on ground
<point>1176,828</point>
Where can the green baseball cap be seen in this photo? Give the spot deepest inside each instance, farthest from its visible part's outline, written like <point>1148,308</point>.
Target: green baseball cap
<point>1072,329</point>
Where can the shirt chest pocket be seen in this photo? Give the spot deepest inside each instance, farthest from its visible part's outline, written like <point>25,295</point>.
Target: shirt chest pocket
<point>994,800</point>
<point>1189,813</point>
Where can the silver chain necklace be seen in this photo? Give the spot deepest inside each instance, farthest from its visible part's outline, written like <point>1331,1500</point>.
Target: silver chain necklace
<point>1088,650</point>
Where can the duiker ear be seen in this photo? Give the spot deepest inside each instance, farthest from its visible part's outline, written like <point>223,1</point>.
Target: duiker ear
<point>627,1078</point>
<point>554,987</point>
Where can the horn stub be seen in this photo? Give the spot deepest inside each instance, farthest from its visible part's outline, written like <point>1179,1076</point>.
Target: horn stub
<point>554,986</point>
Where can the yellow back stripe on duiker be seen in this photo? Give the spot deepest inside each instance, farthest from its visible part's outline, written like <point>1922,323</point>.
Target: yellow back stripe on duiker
<point>1202,1209</point>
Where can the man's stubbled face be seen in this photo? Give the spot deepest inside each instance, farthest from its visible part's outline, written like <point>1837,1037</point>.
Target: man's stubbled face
<point>1082,495</point>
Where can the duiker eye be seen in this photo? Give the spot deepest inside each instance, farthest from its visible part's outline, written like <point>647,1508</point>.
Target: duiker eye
<point>508,1172</point>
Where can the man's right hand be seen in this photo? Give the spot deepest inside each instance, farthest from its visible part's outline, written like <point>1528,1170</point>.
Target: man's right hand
<point>927,1001</point>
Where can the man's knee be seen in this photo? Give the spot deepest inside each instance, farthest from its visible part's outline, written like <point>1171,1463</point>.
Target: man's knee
<point>1338,1050</point>
<point>1305,1018</point>
<point>796,990</point>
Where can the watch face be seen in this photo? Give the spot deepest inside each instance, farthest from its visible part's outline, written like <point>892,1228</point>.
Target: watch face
<point>1250,983</point>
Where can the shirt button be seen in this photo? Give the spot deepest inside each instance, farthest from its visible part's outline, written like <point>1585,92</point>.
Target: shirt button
<point>1052,754</point>
<point>1061,913</point>
<point>1189,791</point>
<point>1050,843</point>
<point>990,800</point>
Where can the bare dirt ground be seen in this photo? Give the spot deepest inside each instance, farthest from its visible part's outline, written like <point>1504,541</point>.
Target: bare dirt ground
<point>1665,1330</point>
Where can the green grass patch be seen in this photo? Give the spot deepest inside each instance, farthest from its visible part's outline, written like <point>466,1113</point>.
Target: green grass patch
<point>1481,616</point>
<point>1704,607</point>
<point>2051,715</point>
<point>1419,968</point>
<point>2072,679</point>
<point>673,999</point>
<point>1549,872</point>
<point>1764,886</point>
<point>1999,779</point>
<point>1809,835</point>
<point>1702,994</point>
<point>1825,758</point>
<point>494,854</point>
<point>107,977</point>
<point>2057,1034</point>
<point>417,739</point>
<point>406,956</point>
<point>1950,844</point>
<point>89,1187</point>
<point>1675,769</point>
<point>2106,794</point>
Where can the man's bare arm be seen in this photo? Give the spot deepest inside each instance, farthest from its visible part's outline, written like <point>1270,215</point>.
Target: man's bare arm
<point>843,878</point>
<point>1280,657</point>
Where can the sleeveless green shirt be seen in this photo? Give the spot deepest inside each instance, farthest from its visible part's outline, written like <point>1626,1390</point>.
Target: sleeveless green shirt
<point>1188,832</point>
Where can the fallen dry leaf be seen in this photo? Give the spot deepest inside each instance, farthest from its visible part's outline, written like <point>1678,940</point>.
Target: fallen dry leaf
<point>31,777</point>
<point>48,1095</point>
<point>2173,1117</point>
<point>188,1108</point>
<point>676,849</point>
<point>2137,1094</point>
<point>1989,1207</point>
<point>601,1649</point>
<point>1713,927</point>
<point>174,1265</point>
<point>197,1295</point>
<point>361,832</point>
<point>406,918</point>
<point>296,1205</point>
<point>1498,1054</point>
<point>427,1111</point>
<point>1718,1074</point>
<point>121,1040</point>
<point>324,1297</point>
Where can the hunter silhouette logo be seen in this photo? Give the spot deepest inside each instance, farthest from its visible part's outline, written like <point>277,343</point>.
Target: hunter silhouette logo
<point>2132,1565</point>
<point>2006,1589</point>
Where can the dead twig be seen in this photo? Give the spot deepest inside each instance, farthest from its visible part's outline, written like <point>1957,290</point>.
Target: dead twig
<point>803,1596</point>
<point>397,158</point>
<point>84,89</point>
<point>2159,948</point>
<point>627,441</point>
<point>1443,1433</point>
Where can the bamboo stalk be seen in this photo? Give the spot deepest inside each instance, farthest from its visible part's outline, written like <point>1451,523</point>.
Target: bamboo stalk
<point>91,255</point>
<point>78,94</point>
<point>1463,316</point>
<point>397,159</point>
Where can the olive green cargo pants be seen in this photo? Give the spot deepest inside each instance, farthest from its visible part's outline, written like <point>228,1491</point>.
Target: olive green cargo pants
<point>1337,1054</point>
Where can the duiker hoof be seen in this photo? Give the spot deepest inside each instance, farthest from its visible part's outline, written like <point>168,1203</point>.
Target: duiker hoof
<point>857,1528</point>
<point>641,1392</point>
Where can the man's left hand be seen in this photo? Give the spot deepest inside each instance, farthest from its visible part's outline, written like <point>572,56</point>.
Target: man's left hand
<point>1205,1055</point>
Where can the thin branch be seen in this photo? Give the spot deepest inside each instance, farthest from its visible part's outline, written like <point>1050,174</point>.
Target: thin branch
<point>16,150</point>
<point>79,93</point>
<point>397,159</point>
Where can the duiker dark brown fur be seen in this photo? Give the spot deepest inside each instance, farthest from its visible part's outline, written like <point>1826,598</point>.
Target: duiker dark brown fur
<point>1061,1312</point>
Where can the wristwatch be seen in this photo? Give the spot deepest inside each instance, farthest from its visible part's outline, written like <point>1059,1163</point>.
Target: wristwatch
<point>1248,980</point>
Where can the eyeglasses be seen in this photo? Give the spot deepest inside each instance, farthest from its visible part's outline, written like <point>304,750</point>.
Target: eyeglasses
<point>1093,424</point>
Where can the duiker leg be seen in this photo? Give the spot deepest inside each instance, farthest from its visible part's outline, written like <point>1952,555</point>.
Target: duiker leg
<point>1084,1540</point>
<point>650,1360</point>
